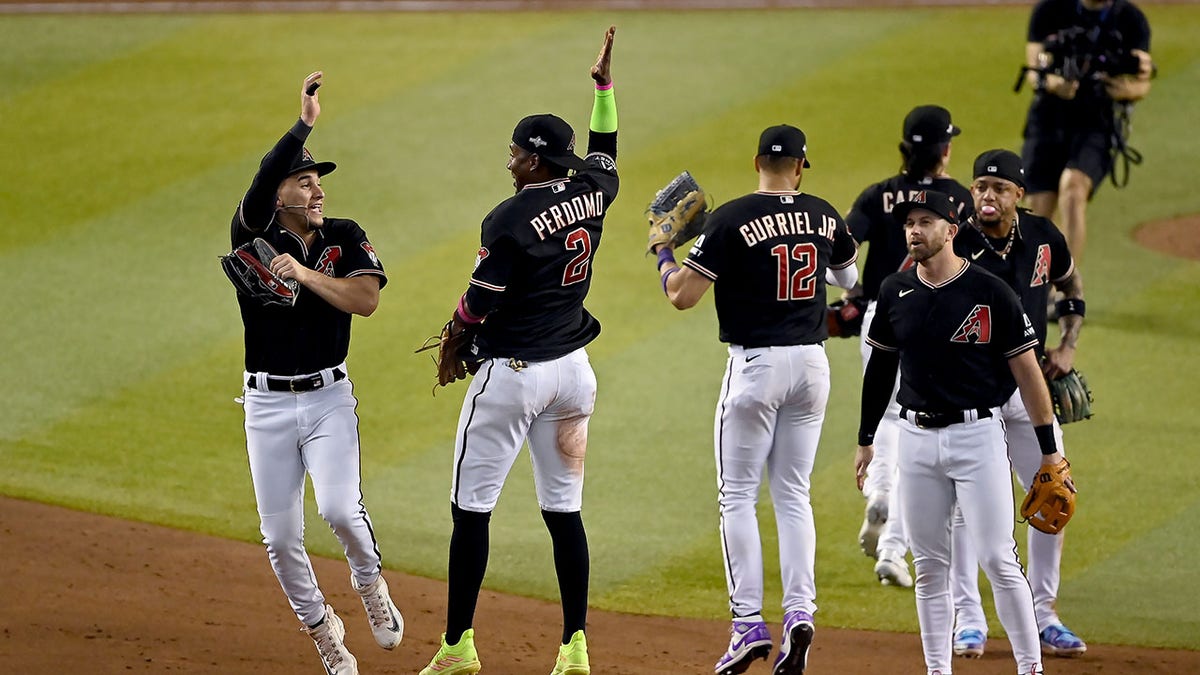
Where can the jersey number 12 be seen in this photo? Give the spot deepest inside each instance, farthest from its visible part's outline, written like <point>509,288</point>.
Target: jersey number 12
<point>800,284</point>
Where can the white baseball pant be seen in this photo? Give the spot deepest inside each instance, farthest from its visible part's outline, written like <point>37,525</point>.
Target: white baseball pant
<point>548,402</point>
<point>315,432</point>
<point>883,471</point>
<point>770,413</point>
<point>967,464</point>
<point>1044,550</point>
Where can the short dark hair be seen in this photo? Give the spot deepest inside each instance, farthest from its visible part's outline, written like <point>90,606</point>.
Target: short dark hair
<point>921,160</point>
<point>778,163</point>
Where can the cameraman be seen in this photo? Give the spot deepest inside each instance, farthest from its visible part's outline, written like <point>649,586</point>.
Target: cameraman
<point>1087,61</point>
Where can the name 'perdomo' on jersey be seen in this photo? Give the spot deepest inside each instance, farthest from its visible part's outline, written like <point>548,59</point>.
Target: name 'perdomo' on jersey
<point>568,212</point>
<point>783,224</point>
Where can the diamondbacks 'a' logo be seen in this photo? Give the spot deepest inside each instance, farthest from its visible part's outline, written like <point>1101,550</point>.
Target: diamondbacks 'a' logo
<point>329,258</point>
<point>918,198</point>
<point>977,329</point>
<point>483,253</point>
<point>366,246</point>
<point>1041,266</point>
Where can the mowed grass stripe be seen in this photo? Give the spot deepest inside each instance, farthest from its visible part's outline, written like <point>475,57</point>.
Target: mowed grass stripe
<point>130,415</point>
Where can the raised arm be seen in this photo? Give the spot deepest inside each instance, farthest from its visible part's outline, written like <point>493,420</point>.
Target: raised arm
<point>257,207</point>
<point>602,136</point>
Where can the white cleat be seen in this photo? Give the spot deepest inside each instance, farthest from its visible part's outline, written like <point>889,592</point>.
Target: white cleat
<point>873,522</point>
<point>386,623</point>
<point>328,636</point>
<point>892,570</point>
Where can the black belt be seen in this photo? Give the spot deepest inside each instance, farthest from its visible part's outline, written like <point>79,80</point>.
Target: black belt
<point>296,385</point>
<point>941,420</point>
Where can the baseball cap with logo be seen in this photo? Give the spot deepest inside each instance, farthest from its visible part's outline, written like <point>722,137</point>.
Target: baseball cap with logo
<point>928,124</point>
<point>784,140</point>
<point>549,137</point>
<point>304,162</point>
<point>1001,164</point>
<point>931,200</point>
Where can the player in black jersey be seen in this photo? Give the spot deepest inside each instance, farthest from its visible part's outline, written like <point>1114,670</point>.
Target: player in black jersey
<point>298,399</point>
<point>768,255</point>
<point>1031,256</point>
<point>925,148</point>
<point>962,344</point>
<point>532,274</point>
<point>1089,62</point>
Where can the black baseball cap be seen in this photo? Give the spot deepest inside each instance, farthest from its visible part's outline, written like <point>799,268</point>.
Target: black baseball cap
<point>929,124</point>
<point>304,161</point>
<point>931,200</point>
<point>549,137</point>
<point>784,140</point>
<point>1001,164</point>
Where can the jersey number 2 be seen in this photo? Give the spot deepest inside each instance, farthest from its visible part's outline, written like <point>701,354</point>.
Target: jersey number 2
<point>577,269</point>
<point>800,284</point>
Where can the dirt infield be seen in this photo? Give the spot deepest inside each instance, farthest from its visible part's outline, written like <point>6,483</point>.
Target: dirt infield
<point>1178,237</point>
<point>90,594</point>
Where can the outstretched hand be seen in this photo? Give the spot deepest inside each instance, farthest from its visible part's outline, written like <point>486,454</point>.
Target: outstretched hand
<point>310,107</point>
<point>602,71</point>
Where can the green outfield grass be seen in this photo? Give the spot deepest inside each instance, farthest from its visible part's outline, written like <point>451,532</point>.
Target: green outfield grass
<point>128,141</point>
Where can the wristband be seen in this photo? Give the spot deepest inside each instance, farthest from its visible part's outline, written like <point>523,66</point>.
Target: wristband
<point>665,255</point>
<point>667,275</point>
<point>1068,306</point>
<point>604,87</point>
<point>462,313</point>
<point>1045,438</point>
<point>865,438</point>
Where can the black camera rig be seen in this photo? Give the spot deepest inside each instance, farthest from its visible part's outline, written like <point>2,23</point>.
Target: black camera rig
<point>1083,54</point>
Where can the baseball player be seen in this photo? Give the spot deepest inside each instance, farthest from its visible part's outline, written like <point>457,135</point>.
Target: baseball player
<point>768,254</point>
<point>925,144</point>
<point>298,398</point>
<point>534,381</point>
<point>1074,127</point>
<point>960,339</point>
<point>1031,256</point>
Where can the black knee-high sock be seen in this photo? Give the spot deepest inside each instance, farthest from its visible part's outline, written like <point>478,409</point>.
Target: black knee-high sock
<point>572,565</point>
<point>468,563</point>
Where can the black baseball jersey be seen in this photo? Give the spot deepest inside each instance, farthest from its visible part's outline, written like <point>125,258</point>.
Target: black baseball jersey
<point>767,253</point>
<point>1121,27</point>
<point>312,334</point>
<point>954,339</point>
<point>534,266</point>
<point>1038,258</point>
<point>870,220</point>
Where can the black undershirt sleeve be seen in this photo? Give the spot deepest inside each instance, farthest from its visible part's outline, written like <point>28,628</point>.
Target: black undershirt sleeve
<point>605,142</point>
<point>878,381</point>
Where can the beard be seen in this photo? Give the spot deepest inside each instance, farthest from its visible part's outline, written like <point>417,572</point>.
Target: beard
<point>925,250</point>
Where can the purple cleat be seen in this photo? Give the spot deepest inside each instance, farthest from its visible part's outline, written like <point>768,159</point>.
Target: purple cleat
<point>749,640</point>
<point>797,638</point>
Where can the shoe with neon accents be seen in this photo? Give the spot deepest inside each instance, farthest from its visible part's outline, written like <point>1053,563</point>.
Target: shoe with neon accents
<point>456,659</point>
<point>573,657</point>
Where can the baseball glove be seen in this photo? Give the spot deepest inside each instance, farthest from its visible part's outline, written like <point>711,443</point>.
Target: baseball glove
<point>1071,396</point>
<point>1051,499</point>
<point>249,268</point>
<point>677,213</point>
<point>456,354</point>
<point>845,317</point>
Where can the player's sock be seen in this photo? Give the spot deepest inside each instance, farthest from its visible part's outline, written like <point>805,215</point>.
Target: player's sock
<point>572,565</point>
<point>468,563</point>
